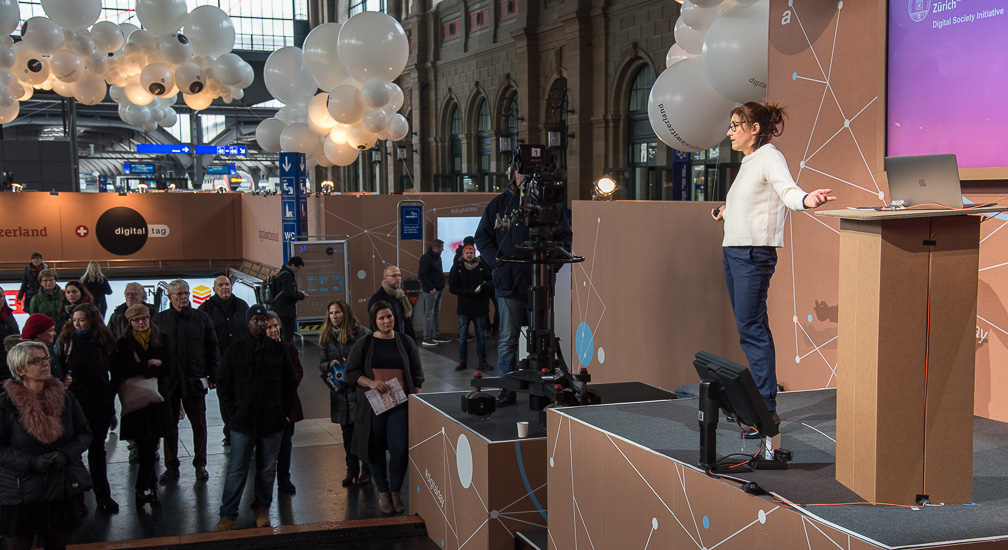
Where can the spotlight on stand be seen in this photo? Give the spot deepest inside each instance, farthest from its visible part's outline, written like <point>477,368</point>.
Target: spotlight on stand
<point>327,187</point>
<point>16,188</point>
<point>604,189</point>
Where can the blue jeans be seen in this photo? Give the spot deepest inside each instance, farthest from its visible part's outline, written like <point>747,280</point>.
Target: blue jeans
<point>512,313</point>
<point>266,449</point>
<point>480,323</point>
<point>389,432</point>
<point>747,274</point>
<point>286,450</point>
<point>432,314</point>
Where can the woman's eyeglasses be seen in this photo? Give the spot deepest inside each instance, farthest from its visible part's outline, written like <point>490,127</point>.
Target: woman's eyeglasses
<point>36,361</point>
<point>734,126</point>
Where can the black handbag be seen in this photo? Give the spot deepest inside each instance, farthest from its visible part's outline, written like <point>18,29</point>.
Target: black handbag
<point>76,479</point>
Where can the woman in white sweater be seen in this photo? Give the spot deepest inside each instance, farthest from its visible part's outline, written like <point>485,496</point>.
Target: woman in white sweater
<point>753,215</point>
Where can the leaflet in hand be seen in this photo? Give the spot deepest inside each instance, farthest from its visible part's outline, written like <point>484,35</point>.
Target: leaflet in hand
<point>382,402</point>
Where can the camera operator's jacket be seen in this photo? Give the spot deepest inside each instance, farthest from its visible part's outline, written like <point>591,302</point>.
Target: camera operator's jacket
<point>511,279</point>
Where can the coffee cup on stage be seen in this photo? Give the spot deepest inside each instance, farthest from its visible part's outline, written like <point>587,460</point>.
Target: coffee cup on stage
<point>523,429</point>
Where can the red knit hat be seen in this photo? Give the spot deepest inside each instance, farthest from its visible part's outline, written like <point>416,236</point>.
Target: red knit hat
<point>36,324</point>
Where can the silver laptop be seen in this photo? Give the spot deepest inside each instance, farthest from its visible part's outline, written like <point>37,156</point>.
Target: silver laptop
<point>924,179</point>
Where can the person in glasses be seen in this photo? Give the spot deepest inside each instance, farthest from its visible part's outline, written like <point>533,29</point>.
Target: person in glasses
<point>753,215</point>
<point>191,373</point>
<point>392,293</point>
<point>43,433</point>
<point>135,294</point>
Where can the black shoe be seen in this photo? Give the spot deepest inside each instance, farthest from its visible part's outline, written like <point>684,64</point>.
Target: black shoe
<point>506,397</point>
<point>226,441</point>
<point>171,474</point>
<point>148,496</point>
<point>134,456</point>
<point>285,486</point>
<point>108,505</point>
<point>202,474</point>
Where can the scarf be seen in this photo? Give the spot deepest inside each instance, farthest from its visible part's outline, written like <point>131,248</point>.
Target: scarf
<point>142,338</point>
<point>40,414</point>
<point>36,270</point>
<point>471,266</point>
<point>398,294</point>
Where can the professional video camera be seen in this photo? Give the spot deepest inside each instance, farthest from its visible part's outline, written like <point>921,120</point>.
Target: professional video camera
<point>544,374</point>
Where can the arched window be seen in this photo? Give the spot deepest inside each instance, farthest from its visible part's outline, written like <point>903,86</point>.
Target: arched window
<point>557,105</point>
<point>455,141</point>
<point>483,151</point>
<point>643,142</point>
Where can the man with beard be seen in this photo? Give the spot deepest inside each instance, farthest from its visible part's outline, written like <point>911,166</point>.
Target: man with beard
<point>391,291</point>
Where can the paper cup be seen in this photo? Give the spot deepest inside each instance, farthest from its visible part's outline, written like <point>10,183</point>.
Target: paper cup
<point>523,429</point>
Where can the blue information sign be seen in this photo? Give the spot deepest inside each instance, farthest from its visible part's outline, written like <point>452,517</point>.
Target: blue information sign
<point>137,168</point>
<point>294,200</point>
<point>410,222</point>
<point>164,148</point>
<point>289,209</point>
<point>221,150</point>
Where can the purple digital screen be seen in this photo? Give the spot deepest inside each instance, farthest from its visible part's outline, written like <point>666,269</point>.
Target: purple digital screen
<point>947,88</point>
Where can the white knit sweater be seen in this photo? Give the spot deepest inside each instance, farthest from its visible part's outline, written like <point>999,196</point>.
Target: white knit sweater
<point>755,207</point>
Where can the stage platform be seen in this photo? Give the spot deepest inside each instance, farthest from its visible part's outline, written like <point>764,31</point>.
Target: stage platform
<point>474,482</point>
<point>625,476</point>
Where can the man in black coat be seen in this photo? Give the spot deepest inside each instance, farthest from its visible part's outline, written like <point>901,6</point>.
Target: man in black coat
<point>472,282</point>
<point>257,386</point>
<point>391,291</point>
<point>284,301</point>
<point>193,369</point>
<point>431,274</point>
<point>227,312</point>
<point>30,280</point>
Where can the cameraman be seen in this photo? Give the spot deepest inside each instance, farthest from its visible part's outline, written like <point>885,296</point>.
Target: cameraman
<point>502,228</point>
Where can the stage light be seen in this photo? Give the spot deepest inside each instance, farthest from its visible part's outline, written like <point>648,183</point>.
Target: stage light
<point>16,188</point>
<point>327,187</point>
<point>605,188</point>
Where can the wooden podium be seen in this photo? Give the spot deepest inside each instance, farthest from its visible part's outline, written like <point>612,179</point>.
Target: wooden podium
<point>907,345</point>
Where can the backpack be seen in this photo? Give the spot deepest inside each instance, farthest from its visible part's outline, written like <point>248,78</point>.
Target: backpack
<point>270,289</point>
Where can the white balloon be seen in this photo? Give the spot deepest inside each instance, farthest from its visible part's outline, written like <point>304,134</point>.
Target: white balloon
<point>374,120</point>
<point>685,111</point>
<point>6,78</point>
<point>321,56</point>
<point>676,54</point>
<point>299,137</point>
<point>150,126</point>
<point>107,36</point>
<point>66,66</point>
<point>157,78</point>
<point>123,111</point>
<point>169,119</point>
<point>237,93</point>
<point>398,127</point>
<point>735,53</point>
<point>268,134</point>
<point>338,134</point>
<point>97,62</point>
<point>689,39</point>
<point>6,99</point>
<point>210,30</point>
<point>346,104</point>
<point>73,14</point>
<point>161,16</point>
<point>83,45</point>
<point>705,3</point>
<point>117,94</point>
<point>19,91</point>
<point>89,89</point>
<point>697,17</point>
<point>396,95</point>
<point>7,58</point>
<point>137,115</point>
<point>143,39</point>
<point>359,138</point>
<point>322,160</point>
<point>189,78</point>
<point>127,30</point>
<point>248,77</point>
<point>340,154</point>
<point>8,114</point>
<point>198,102</point>
<point>375,93</point>
<point>42,35</point>
<point>175,48</point>
<point>230,69</point>
<point>318,114</point>
<point>373,45</point>
<point>285,77</point>
<point>10,16</point>
<point>285,114</point>
<point>136,93</point>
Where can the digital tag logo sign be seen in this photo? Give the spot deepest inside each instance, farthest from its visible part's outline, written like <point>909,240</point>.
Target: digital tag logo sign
<point>121,230</point>
<point>919,9</point>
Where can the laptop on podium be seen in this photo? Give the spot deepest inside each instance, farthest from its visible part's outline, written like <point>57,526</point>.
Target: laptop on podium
<point>924,179</point>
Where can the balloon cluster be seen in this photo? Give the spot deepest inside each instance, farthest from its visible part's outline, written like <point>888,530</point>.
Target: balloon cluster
<point>719,60</point>
<point>71,54</point>
<point>354,64</point>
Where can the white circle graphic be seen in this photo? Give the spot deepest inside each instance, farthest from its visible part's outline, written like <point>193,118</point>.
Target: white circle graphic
<point>919,9</point>
<point>464,461</point>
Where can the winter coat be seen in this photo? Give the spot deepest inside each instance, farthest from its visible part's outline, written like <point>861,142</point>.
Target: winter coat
<point>56,411</point>
<point>117,322</point>
<point>359,363</point>
<point>90,365</point>
<point>285,301</point>
<point>403,324</point>
<point>431,271</point>
<point>463,283</point>
<point>130,359</point>
<point>511,279</point>
<point>99,289</point>
<point>30,285</point>
<point>228,319</point>
<point>47,304</point>
<point>297,414</point>
<point>343,403</point>
<point>193,349</point>
<point>8,327</point>
<point>257,386</point>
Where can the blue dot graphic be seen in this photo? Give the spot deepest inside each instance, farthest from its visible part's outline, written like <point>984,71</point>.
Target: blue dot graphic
<point>706,522</point>
<point>810,318</point>
<point>794,76</point>
<point>418,489</point>
<point>584,344</point>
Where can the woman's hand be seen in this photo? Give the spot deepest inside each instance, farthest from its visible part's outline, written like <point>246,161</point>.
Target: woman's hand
<point>818,198</point>
<point>334,362</point>
<point>154,363</point>
<point>716,213</point>
<point>379,386</point>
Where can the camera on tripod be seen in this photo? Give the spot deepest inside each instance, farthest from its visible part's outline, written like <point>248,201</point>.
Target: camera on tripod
<point>541,183</point>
